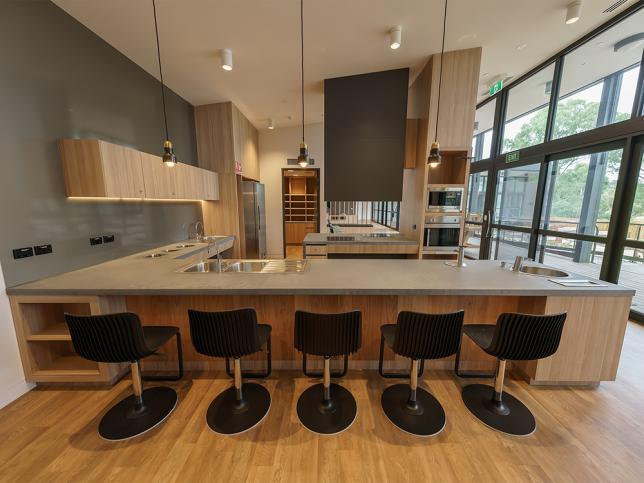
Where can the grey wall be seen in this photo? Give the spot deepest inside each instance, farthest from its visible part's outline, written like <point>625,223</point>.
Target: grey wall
<point>58,79</point>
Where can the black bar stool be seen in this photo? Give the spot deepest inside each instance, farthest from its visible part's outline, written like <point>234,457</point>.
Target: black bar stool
<point>514,337</point>
<point>233,334</point>
<point>327,408</point>
<point>419,337</point>
<point>120,338</point>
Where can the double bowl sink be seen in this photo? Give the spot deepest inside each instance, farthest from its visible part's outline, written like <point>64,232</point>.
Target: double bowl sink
<point>247,266</point>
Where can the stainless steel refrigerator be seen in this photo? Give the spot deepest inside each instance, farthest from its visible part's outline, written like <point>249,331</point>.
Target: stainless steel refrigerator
<point>254,219</point>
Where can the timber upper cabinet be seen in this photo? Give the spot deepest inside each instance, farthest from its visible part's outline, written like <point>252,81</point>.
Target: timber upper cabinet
<point>98,169</point>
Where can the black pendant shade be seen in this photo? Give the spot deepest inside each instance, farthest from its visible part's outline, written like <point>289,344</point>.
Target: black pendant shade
<point>303,157</point>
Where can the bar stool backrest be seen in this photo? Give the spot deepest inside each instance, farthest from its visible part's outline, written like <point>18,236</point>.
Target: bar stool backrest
<point>328,335</point>
<point>526,336</point>
<point>231,333</point>
<point>428,336</point>
<point>108,338</point>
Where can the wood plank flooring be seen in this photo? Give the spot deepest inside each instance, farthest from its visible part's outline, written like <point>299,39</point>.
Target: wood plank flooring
<point>582,435</point>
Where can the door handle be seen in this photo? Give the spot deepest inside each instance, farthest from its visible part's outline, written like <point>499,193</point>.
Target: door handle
<point>488,221</point>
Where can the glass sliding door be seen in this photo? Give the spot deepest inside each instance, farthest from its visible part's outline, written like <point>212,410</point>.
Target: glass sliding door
<point>631,272</point>
<point>474,214</point>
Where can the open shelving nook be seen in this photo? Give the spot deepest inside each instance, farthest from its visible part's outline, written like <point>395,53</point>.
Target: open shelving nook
<point>45,344</point>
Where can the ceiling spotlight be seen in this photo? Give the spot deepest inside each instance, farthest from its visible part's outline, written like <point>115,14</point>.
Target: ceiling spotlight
<point>226,59</point>
<point>271,125</point>
<point>395,37</point>
<point>573,12</point>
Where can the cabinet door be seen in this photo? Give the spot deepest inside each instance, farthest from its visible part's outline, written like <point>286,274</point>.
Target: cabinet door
<point>161,181</point>
<point>122,171</point>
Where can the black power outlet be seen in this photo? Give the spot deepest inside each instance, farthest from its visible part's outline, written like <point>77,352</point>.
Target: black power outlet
<point>96,240</point>
<point>108,238</point>
<point>43,249</point>
<point>23,252</point>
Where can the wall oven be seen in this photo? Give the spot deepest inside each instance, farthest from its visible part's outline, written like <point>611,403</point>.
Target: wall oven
<point>444,199</point>
<point>442,232</point>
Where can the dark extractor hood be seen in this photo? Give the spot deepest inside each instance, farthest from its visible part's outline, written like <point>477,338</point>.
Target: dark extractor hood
<point>364,136</point>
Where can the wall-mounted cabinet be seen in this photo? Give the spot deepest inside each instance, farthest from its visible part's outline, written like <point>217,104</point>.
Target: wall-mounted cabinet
<point>98,169</point>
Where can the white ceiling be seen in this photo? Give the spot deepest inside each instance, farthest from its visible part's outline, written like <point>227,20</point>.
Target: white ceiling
<point>342,37</point>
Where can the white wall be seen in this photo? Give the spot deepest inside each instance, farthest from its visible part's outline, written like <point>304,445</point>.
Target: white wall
<point>12,379</point>
<point>275,147</point>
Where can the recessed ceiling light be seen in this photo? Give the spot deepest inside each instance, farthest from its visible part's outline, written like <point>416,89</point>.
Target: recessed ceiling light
<point>521,46</point>
<point>226,59</point>
<point>573,12</point>
<point>395,37</point>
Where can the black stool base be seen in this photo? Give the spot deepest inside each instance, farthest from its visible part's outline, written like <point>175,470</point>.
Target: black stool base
<point>122,421</point>
<point>224,415</point>
<point>518,422</point>
<point>322,420</point>
<point>427,419</point>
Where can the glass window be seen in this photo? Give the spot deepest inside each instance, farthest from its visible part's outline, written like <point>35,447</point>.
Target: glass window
<point>476,197</point>
<point>483,124</point>
<point>506,244</point>
<point>579,193</point>
<point>516,195</point>
<point>575,256</point>
<point>599,79</point>
<point>527,111</point>
<point>636,226</point>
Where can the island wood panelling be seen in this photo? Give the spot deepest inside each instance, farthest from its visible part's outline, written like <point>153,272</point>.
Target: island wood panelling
<point>98,169</point>
<point>589,351</point>
<point>226,139</point>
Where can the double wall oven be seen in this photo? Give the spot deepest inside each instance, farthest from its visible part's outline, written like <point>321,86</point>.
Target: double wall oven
<point>443,217</point>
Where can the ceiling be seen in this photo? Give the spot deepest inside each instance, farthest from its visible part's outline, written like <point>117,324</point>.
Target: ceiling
<point>341,38</point>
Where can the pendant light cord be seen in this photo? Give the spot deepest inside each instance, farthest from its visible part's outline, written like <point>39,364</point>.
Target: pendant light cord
<point>440,74</point>
<point>302,60</point>
<point>156,30</point>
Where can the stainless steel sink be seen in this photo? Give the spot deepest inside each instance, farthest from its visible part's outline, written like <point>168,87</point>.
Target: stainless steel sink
<point>543,271</point>
<point>248,266</point>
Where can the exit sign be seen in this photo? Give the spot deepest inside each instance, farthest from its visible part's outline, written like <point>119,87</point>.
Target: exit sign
<point>512,157</point>
<point>496,87</point>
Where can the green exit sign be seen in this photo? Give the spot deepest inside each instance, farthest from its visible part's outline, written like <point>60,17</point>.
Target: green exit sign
<point>496,87</point>
<point>512,157</point>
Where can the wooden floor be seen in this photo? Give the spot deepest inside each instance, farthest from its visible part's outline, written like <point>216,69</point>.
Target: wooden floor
<point>582,435</point>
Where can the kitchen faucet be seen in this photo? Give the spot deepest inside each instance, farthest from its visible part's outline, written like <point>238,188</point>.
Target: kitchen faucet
<point>198,233</point>
<point>212,242</point>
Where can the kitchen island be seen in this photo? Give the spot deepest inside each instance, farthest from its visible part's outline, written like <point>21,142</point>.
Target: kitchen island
<point>359,245</point>
<point>161,293</point>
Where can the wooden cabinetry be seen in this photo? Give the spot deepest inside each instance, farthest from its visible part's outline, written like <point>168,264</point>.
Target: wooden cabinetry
<point>45,344</point>
<point>95,168</point>
<point>226,140</point>
<point>459,82</point>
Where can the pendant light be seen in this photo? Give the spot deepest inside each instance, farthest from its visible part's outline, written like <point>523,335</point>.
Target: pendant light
<point>168,152</point>
<point>434,158</point>
<point>303,158</point>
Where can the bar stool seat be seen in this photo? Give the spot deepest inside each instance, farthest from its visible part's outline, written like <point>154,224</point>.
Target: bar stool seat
<point>119,338</point>
<point>157,335</point>
<point>327,408</point>
<point>481,334</point>
<point>233,334</point>
<point>514,337</point>
<point>417,336</point>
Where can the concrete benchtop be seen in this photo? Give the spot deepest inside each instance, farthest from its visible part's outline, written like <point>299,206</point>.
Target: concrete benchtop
<point>358,239</point>
<point>138,275</point>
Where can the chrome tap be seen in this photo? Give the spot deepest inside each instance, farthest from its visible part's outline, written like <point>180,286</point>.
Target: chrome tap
<point>212,242</point>
<point>518,263</point>
<point>199,233</point>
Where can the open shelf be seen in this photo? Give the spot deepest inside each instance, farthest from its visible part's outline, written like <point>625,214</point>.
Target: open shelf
<point>55,331</point>
<point>68,365</point>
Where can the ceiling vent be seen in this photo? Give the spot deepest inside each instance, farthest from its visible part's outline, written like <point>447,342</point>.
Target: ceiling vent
<point>614,6</point>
